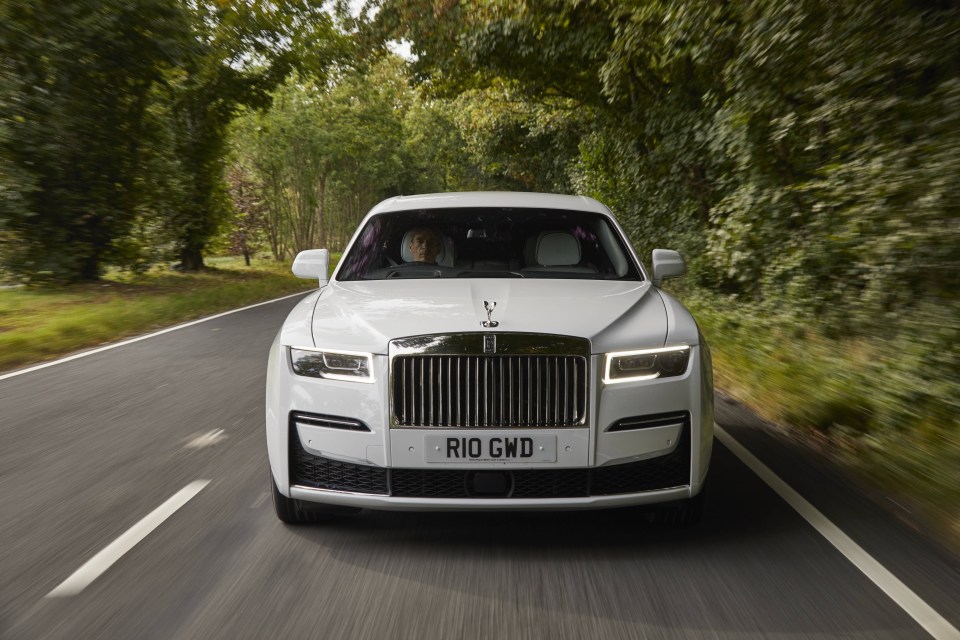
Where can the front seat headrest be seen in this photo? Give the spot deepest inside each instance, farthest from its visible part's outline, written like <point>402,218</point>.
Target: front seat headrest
<point>557,249</point>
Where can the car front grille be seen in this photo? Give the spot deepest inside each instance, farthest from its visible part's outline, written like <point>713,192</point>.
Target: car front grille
<point>525,381</point>
<point>489,391</point>
<point>663,472</point>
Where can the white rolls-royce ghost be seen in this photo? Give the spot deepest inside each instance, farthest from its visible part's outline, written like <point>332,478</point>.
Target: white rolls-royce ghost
<point>489,351</point>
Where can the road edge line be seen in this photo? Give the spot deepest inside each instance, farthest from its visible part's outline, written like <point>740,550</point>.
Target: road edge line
<point>84,354</point>
<point>98,564</point>
<point>935,624</point>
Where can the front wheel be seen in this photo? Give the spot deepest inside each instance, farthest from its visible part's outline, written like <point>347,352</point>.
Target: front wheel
<point>682,513</point>
<point>688,512</point>
<point>292,511</point>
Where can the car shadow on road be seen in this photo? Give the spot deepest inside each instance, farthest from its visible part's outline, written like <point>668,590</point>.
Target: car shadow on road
<point>738,508</point>
<point>751,563</point>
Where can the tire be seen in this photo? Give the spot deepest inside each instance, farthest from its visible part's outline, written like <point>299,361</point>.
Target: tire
<point>687,513</point>
<point>292,511</point>
<point>683,513</point>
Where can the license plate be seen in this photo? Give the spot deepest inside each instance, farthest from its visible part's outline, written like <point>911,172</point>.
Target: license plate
<point>493,448</point>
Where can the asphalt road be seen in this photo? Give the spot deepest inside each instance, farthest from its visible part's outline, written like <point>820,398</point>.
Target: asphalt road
<point>90,447</point>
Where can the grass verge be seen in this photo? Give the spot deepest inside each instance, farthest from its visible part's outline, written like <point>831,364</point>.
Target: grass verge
<point>40,324</point>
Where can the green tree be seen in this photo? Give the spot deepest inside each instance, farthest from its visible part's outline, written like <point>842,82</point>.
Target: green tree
<point>246,226</point>
<point>324,153</point>
<point>802,153</point>
<point>240,51</point>
<point>77,82</point>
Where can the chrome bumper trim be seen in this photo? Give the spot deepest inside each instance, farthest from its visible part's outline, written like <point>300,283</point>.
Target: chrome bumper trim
<point>388,503</point>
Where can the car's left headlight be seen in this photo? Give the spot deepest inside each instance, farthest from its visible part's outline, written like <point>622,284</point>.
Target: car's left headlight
<point>335,365</point>
<point>645,364</point>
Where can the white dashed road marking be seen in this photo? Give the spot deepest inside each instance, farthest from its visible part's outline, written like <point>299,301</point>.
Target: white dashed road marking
<point>926,617</point>
<point>206,440</point>
<point>99,563</point>
<point>260,500</point>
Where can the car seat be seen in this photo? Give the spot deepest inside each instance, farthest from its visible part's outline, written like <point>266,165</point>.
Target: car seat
<point>555,251</point>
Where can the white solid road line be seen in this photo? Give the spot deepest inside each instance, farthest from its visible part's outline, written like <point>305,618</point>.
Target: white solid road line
<point>900,593</point>
<point>99,563</point>
<point>84,354</point>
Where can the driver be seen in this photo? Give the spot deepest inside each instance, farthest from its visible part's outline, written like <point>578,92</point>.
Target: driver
<point>424,245</point>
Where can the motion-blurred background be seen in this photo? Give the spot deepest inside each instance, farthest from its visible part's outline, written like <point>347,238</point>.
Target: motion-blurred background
<point>804,156</point>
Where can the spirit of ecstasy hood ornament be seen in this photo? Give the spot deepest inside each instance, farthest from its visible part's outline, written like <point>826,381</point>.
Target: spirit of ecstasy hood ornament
<point>489,306</point>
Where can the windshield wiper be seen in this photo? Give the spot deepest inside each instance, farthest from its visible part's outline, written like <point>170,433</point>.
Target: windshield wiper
<point>490,274</point>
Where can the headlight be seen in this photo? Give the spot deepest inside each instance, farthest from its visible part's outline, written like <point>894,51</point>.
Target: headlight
<point>645,364</point>
<point>334,365</point>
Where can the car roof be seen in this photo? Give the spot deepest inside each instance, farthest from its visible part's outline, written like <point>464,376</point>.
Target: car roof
<point>496,199</point>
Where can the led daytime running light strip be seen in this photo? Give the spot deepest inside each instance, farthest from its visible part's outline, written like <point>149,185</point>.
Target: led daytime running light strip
<point>336,376</point>
<point>612,357</point>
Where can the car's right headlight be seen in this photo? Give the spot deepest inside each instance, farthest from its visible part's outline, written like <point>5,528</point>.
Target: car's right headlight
<point>645,364</point>
<point>353,366</point>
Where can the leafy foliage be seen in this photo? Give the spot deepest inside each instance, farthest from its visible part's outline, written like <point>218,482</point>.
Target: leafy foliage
<point>76,86</point>
<point>324,146</point>
<point>802,154</point>
<point>240,50</point>
<point>246,231</point>
<point>113,122</point>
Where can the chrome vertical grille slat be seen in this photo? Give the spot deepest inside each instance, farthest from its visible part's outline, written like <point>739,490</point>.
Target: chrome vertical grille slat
<point>529,386</point>
<point>403,392</point>
<point>486,391</point>
<point>503,391</point>
<point>476,394</point>
<point>558,372</point>
<point>449,393</point>
<point>536,364</point>
<point>574,386</point>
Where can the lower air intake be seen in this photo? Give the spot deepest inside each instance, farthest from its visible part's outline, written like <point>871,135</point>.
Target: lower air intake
<point>663,472</point>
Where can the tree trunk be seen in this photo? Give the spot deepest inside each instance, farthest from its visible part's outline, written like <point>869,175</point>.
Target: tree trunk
<point>89,269</point>
<point>321,200</point>
<point>191,258</point>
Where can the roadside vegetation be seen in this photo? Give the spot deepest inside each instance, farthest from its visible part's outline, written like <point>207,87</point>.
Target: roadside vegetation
<point>40,324</point>
<point>856,400</point>
<point>801,155</point>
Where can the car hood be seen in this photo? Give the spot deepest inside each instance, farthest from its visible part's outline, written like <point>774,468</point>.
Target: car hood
<point>365,316</point>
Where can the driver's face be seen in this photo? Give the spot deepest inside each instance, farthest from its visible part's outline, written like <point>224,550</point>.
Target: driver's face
<point>424,247</point>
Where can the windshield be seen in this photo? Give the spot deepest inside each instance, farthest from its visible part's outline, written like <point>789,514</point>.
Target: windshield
<point>488,243</point>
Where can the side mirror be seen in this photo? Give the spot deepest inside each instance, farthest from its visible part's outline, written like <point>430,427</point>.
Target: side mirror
<point>667,264</point>
<point>314,263</point>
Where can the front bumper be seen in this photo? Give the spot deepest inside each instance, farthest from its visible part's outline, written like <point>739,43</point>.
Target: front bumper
<point>382,468</point>
<point>323,478</point>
